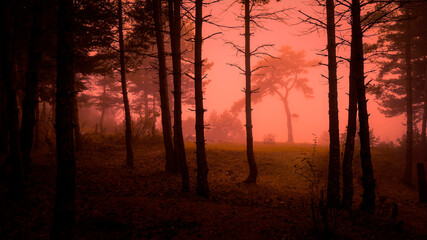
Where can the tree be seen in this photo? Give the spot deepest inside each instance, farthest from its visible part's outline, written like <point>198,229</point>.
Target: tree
<point>128,120</point>
<point>357,76</point>
<point>333,191</point>
<point>64,210</point>
<point>170,165</point>
<point>399,88</point>
<point>202,166</point>
<point>8,35</point>
<point>175,35</point>
<point>31,83</point>
<point>280,76</point>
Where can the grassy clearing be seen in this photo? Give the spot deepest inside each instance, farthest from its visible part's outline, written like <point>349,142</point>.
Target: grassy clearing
<point>114,202</point>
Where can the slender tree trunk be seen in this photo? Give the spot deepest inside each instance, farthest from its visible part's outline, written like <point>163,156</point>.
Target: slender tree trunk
<point>407,178</point>
<point>101,121</point>
<point>347,164</point>
<point>31,81</point>
<point>253,170</point>
<point>171,164</point>
<point>4,135</point>
<point>128,120</point>
<point>153,127</point>
<point>356,65</point>
<point>76,125</point>
<point>333,191</point>
<point>423,134</point>
<point>288,114</point>
<point>64,210</point>
<point>8,75</point>
<point>175,32</point>
<point>202,165</point>
<point>289,121</point>
<point>37,137</point>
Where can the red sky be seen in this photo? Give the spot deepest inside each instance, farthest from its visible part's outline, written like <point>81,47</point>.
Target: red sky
<point>269,116</point>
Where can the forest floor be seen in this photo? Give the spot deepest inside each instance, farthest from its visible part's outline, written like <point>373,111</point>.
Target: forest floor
<point>114,202</point>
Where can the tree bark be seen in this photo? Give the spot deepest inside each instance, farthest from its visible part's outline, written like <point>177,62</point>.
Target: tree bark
<point>64,210</point>
<point>4,135</point>
<point>9,77</point>
<point>333,191</point>
<point>175,32</point>
<point>424,134</point>
<point>253,170</point>
<point>202,165</point>
<point>357,65</point>
<point>407,178</point>
<point>128,120</point>
<point>31,93</point>
<point>76,125</point>
<point>170,164</point>
<point>347,165</point>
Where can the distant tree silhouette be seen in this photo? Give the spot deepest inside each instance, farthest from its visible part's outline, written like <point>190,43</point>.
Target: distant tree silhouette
<point>64,210</point>
<point>279,76</point>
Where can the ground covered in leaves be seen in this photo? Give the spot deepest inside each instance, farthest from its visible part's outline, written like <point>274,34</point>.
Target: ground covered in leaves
<point>114,202</point>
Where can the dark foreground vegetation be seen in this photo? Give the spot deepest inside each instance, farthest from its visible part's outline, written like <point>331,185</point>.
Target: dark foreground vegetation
<point>116,202</point>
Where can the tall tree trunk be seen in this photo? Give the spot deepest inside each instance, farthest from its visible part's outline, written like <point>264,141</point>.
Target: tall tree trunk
<point>37,137</point>
<point>347,164</point>
<point>64,210</point>
<point>8,75</point>
<point>31,81</point>
<point>170,164</point>
<point>202,165</point>
<point>407,178</point>
<point>128,120</point>
<point>356,65</point>
<point>333,191</point>
<point>4,134</point>
<point>175,32</point>
<point>253,170</point>
<point>423,134</point>
<point>76,125</point>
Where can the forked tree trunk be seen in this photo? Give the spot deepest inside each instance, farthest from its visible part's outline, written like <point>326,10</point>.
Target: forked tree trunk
<point>333,191</point>
<point>64,210</point>
<point>202,165</point>
<point>253,170</point>
<point>356,65</point>
<point>8,78</point>
<point>31,81</point>
<point>175,32</point>
<point>407,178</point>
<point>128,120</point>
